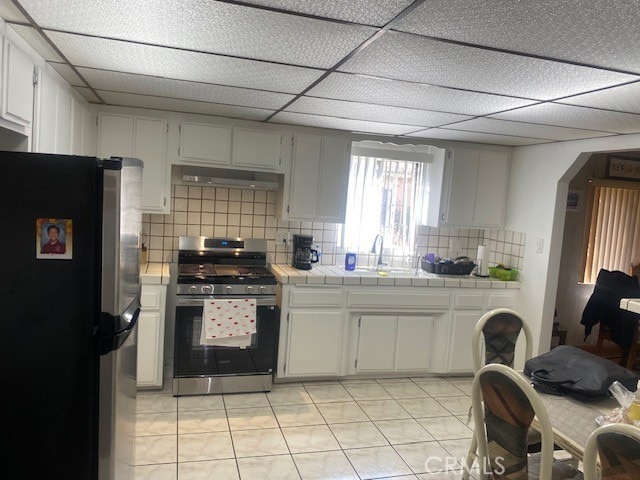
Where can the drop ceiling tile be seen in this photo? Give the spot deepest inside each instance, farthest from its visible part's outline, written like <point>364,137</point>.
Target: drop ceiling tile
<point>409,57</point>
<point>360,88</point>
<point>369,12</point>
<point>68,74</point>
<point>164,87</point>
<point>186,106</point>
<point>592,32</point>
<point>10,13</point>
<point>342,123</point>
<point>575,117</point>
<point>178,64</point>
<point>205,25</point>
<point>373,113</point>
<point>455,135</point>
<point>520,129</point>
<point>623,99</point>
<point>38,43</point>
<point>88,94</point>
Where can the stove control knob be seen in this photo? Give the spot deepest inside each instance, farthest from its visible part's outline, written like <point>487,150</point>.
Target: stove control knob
<point>249,289</point>
<point>228,289</point>
<point>207,289</point>
<point>262,289</point>
<point>193,289</point>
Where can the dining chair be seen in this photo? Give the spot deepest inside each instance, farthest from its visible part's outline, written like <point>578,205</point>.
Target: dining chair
<point>499,330</point>
<point>618,448</point>
<point>505,405</point>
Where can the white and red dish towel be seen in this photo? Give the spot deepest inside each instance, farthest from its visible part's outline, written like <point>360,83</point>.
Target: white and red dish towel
<point>228,323</point>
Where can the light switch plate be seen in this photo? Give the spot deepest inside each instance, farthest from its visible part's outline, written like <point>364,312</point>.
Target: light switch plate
<point>539,245</point>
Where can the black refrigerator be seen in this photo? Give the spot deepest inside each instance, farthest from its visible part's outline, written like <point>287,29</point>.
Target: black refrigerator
<point>69,303</point>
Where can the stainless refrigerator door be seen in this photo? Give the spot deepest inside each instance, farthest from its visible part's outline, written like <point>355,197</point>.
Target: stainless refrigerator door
<point>122,224</point>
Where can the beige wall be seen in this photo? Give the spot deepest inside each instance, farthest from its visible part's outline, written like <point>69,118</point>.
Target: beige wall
<point>572,295</point>
<point>536,206</point>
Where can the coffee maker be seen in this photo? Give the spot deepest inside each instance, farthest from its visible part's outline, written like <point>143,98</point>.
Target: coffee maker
<point>303,254</point>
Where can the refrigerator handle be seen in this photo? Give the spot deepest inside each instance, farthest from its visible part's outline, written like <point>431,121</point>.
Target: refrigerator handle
<point>114,329</point>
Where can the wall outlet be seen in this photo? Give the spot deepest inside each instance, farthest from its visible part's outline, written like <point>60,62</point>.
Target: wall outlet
<point>282,237</point>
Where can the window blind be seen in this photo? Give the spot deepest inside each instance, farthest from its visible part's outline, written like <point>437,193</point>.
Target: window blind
<point>614,232</point>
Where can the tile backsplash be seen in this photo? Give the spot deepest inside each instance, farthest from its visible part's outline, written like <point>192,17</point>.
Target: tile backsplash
<point>234,212</point>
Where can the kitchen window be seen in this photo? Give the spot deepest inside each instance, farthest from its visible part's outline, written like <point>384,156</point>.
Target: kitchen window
<point>613,229</point>
<point>387,195</point>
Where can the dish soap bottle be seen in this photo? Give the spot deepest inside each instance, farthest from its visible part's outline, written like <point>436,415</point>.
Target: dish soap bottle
<point>350,261</point>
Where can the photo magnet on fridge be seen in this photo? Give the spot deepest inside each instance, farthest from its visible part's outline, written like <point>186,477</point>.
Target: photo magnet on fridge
<point>54,239</point>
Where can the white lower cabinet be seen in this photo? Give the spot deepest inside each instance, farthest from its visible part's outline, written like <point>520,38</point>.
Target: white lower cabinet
<point>389,343</point>
<point>151,336</point>
<point>462,326</point>
<point>338,331</point>
<point>314,340</point>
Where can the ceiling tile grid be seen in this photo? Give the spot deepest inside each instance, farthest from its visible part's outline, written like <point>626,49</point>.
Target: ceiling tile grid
<point>38,43</point>
<point>181,65</point>
<point>625,98</point>
<point>409,57</point>
<point>67,73</point>
<point>574,117</point>
<point>343,124</point>
<point>179,89</point>
<point>488,138</point>
<point>185,106</point>
<point>521,129</point>
<point>360,88</point>
<point>507,73</point>
<point>599,33</point>
<point>366,12</point>
<point>374,113</point>
<point>209,26</point>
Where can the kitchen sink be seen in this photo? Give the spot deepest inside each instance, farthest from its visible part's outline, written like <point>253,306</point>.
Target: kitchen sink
<point>391,272</point>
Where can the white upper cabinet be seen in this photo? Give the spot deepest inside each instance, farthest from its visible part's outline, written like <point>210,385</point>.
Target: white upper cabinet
<point>205,143</point>
<point>259,149</point>
<point>17,85</point>
<point>474,190</point>
<point>220,145</point>
<point>62,123</point>
<point>319,178</point>
<point>150,145</point>
<point>115,135</point>
<point>143,138</point>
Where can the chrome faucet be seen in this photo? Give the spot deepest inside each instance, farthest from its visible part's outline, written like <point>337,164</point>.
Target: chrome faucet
<point>418,263</point>
<point>379,263</point>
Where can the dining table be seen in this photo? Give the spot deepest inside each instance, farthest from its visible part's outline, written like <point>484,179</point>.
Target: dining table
<point>573,421</point>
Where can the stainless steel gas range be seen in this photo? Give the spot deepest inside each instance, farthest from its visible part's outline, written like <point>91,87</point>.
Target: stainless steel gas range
<point>225,273</point>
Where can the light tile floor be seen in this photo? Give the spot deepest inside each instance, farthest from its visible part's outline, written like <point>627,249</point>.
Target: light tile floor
<point>353,429</point>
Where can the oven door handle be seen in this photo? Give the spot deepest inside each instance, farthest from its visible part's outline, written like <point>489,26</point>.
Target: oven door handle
<point>198,300</point>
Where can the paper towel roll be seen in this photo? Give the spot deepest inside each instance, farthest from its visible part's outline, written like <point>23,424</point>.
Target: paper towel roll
<point>483,261</point>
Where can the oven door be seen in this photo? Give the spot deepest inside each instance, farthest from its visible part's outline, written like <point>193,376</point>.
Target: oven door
<point>192,359</point>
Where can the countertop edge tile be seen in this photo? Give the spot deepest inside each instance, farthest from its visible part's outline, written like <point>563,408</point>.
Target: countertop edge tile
<point>154,273</point>
<point>337,275</point>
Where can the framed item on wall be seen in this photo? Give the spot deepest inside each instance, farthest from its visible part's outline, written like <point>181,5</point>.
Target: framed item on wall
<point>623,168</point>
<point>574,200</point>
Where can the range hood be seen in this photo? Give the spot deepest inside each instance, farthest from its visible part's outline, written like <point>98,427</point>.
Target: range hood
<point>223,177</point>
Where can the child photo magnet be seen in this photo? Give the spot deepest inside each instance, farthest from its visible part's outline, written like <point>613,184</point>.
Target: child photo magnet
<point>54,239</point>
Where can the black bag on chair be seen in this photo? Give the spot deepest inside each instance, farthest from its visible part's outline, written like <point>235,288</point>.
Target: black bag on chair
<point>567,370</point>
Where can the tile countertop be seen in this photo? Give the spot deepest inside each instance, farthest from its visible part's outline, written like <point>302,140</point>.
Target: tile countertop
<point>154,274</point>
<point>337,275</point>
<point>631,304</point>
